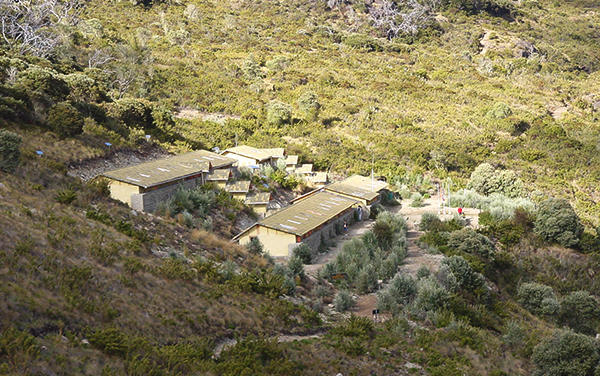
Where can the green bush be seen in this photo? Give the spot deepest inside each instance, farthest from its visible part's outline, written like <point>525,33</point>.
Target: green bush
<point>309,104</point>
<point>499,111</point>
<point>538,299</point>
<point>431,296</point>
<point>416,200</point>
<point>135,113</point>
<point>10,152</point>
<point>466,278</point>
<point>557,222</point>
<point>468,241</point>
<point>255,247</point>
<point>486,180</point>
<point>65,120</point>
<point>66,196</point>
<point>343,301</point>
<point>278,113</point>
<point>110,341</point>
<point>566,353</point>
<point>581,312</point>
<point>296,266</point>
<point>303,252</point>
<point>400,292</point>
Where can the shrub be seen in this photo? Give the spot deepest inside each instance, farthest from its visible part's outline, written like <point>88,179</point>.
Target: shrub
<point>10,152</point>
<point>485,180</point>
<point>66,196</point>
<point>514,334</point>
<point>466,278</point>
<point>135,113</point>
<point>423,272</point>
<point>309,104</point>
<point>566,353</point>
<point>538,299</point>
<point>401,291</point>
<point>278,113</point>
<point>255,247</point>
<point>110,341</point>
<point>367,279</point>
<point>431,296</point>
<point>469,241</point>
<point>557,222</point>
<point>416,200</point>
<point>499,111</point>
<point>581,312</point>
<point>304,253</point>
<point>343,301</point>
<point>65,120</point>
<point>296,266</point>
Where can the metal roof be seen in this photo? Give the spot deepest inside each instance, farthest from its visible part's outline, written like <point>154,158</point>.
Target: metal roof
<point>162,171</point>
<point>238,187</point>
<point>305,169</point>
<point>217,161</point>
<point>291,160</point>
<point>216,175</point>
<point>258,198</point>
<point>308,214</point>
<point>254,153</point>
<point>358,186</point>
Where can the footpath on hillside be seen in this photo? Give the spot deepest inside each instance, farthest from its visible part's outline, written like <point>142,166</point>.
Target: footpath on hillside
<point>416,256</point>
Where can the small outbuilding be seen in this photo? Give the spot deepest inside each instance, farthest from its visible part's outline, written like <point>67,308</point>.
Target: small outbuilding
<point>356,187</point>
<point>219,177</point>
<point>239,189</point>
<point>310,221</point>
<point>258,201</point>
<point>247,156</point>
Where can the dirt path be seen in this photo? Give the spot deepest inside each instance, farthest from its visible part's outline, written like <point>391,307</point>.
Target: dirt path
<point>355,229</point>
<point>416,256</point>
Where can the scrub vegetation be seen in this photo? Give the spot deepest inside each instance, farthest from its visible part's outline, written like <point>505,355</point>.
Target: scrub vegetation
<point>496,99</point>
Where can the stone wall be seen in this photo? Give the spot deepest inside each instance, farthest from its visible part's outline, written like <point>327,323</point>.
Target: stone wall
<point>149,201</point>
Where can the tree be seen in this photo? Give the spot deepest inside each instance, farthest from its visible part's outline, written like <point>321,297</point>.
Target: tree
<point>566,353</point>
<point>402,17</point>
<point>581,312</point>
<point>557,222</point>
<point>9,151</point>
<point>65,120</point>
<point>468,241</point>
<point>29,27</point>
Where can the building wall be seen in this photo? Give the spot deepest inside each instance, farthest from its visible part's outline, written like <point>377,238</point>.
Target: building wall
<point>122,191</point>
<point>276,243</point>
<point>259,208</point>
<point>239,196</point>
<point>149,201</point>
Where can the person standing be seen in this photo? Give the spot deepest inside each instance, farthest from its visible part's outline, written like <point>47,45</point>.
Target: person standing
<point>460,212</point>
<point>345,228</point>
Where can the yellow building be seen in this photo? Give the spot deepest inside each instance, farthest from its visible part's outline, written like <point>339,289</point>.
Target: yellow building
<point>291,162</point>
<point>219,177</point>
<point>307,221</point>
<point>144,185</point>
<point>258,201</point>
<point>356,187</point>
<point>248,156</point>
<point>238,190</point>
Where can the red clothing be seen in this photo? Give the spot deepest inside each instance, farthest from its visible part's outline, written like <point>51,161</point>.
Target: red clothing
<point>459,210</point>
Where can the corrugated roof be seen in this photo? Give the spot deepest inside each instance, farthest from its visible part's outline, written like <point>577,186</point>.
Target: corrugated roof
<point>305,169</point>
<point>216,175</point>
<point>358,186</point>
<point>291,160</point>
<point>308,214</point>
<point>162,171</point>
<point>250,152</point>
<point>217,161</point>
<point>258,198</point>
<point>238,187</point>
